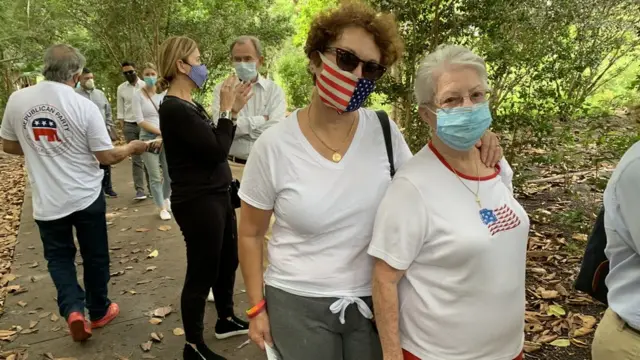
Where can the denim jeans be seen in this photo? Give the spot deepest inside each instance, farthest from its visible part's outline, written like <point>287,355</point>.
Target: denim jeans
<point>60,252</point>
<point>156,165</point>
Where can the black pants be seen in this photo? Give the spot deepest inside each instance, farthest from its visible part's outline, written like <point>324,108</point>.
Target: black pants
<point>106,179</point>
<point>208,225</point>
<point>60,252</point>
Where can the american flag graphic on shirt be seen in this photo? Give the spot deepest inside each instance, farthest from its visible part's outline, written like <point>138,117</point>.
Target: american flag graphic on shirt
<point>500,219</point>
<point>342,90</point>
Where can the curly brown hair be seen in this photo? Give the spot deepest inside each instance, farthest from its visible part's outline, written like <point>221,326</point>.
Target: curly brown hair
<point>329,25</point>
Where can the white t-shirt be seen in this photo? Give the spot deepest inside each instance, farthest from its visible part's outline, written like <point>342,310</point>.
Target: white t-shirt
<point>324,211</point>
<point>58,131</point>
<point>143,108</point>
<point>463,294</point>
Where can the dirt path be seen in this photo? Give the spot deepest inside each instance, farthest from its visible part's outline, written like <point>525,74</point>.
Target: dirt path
<point>139,284</point>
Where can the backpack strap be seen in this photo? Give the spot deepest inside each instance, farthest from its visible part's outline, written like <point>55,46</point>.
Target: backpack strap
<point>386,131</point>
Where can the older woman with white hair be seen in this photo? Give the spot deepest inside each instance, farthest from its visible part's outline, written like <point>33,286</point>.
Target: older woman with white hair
<point>449,237</point>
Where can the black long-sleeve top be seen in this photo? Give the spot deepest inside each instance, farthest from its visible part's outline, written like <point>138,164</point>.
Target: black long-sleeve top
<point>196,150</point>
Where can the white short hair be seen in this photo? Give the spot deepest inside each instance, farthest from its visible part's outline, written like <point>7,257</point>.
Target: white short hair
<point>433,65</point>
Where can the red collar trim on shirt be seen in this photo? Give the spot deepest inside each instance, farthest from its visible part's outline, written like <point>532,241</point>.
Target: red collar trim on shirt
<point>464,176</point>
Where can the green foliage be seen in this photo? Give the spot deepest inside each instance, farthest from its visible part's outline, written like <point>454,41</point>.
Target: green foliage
<point>293,75</point>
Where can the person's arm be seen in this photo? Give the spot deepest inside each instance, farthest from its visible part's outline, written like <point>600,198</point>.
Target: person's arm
<point>207,144</point>
<point>399,233</point>
<point>120,106</point>
<point>385,304</point>
<point>11,147</point>
<point>149,127</point>
<point>258,194</point>
<point>10,143</point>
<point>628,194</point>
<point>276,110</point>
<point>215,105</point>
<point>117,154</point>
<point>108,116</point>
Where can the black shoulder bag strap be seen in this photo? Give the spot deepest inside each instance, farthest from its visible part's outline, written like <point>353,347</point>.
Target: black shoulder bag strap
<point>386,131</point>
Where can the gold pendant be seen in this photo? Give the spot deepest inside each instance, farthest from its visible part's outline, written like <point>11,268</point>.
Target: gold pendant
<point>478,201</point>
<point>336,157</point>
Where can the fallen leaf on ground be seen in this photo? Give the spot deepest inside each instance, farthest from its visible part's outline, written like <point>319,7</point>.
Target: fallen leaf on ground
<point>556,310</point>
<point>142,230</point>
<point>579,237</point>
<point>117,273</point>
<point>34,265</point>
<point>151,268</point>
<point>561,343</point>
<point>54,317</point>
<point>141,282</point>
<point>33,324</point>
<point>28,331</point>
<point>153,254</point>
<point>125,229</point>
<point>163,311</point>
<point>156,337</point>
<point>530,346</point>
<point>178,332</point>
<point>22,303</point>
<point>155,321</point>
<point>164,227</point>
<point>48,356</point>
<point>146,346</point>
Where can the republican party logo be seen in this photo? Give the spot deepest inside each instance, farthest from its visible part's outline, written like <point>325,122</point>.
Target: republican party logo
<point>47,130</point>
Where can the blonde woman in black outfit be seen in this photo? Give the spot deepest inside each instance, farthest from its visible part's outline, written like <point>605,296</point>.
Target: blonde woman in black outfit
<point>196,150</point>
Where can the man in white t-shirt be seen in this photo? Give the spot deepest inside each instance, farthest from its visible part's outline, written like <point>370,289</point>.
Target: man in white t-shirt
<point>63,138</point>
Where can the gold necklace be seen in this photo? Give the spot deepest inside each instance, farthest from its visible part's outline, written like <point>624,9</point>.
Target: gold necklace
<point>477,193</point>
<point>336,157</point>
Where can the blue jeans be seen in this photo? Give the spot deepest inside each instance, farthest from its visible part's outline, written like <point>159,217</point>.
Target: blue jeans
<point>156,165</point>
<point>60,252</point>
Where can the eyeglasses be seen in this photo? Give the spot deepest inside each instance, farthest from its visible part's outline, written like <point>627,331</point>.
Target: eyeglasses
<point>476,97</point>
<point>349,61</point>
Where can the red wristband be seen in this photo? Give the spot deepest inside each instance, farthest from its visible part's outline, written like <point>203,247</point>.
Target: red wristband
<point>256,310</point>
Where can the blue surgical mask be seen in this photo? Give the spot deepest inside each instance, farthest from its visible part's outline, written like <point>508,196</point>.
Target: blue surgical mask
<point>150,80</point>
<point>198,74</point>
<point>246,71</point>
<point>461,128</point>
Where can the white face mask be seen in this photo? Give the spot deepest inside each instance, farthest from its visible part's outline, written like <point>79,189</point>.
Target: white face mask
<point>89,84</point>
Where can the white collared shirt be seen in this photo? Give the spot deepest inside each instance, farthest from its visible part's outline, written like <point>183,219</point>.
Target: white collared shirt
<point>621,211</point>
<point>125,100</point>
<point>268,100</point>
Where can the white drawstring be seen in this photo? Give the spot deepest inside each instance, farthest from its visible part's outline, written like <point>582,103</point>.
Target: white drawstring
<point>340,306</point>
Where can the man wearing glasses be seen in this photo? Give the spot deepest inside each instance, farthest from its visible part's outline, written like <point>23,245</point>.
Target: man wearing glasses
<point>127,119</point>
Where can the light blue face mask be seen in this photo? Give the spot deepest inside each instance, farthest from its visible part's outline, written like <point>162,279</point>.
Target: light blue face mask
<point>461,128</point>
<point>246,71</point>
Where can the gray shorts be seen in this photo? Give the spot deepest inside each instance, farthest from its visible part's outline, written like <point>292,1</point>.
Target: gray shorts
<point>303,328</point>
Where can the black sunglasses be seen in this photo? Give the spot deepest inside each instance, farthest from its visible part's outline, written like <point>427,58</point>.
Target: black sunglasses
<point>348,61</point>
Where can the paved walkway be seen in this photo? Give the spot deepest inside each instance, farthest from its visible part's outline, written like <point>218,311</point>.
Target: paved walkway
<point>138,290</point>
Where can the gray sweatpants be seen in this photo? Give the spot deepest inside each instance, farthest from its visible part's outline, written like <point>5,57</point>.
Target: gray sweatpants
<point>132,132</point>
<point>303,328</point>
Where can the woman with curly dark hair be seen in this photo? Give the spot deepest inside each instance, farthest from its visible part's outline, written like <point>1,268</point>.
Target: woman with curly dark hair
<point>322,172</point>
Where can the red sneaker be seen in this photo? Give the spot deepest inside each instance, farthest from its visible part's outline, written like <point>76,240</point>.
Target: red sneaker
<point>112,312</point>
<point>78,327</point>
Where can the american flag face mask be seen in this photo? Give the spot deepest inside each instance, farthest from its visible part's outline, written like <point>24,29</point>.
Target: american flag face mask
<point>341,90</point>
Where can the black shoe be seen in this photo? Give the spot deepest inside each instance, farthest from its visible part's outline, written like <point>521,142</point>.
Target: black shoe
<point>232,326</point>
<point>111,194</point>
<point>203,353</point>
